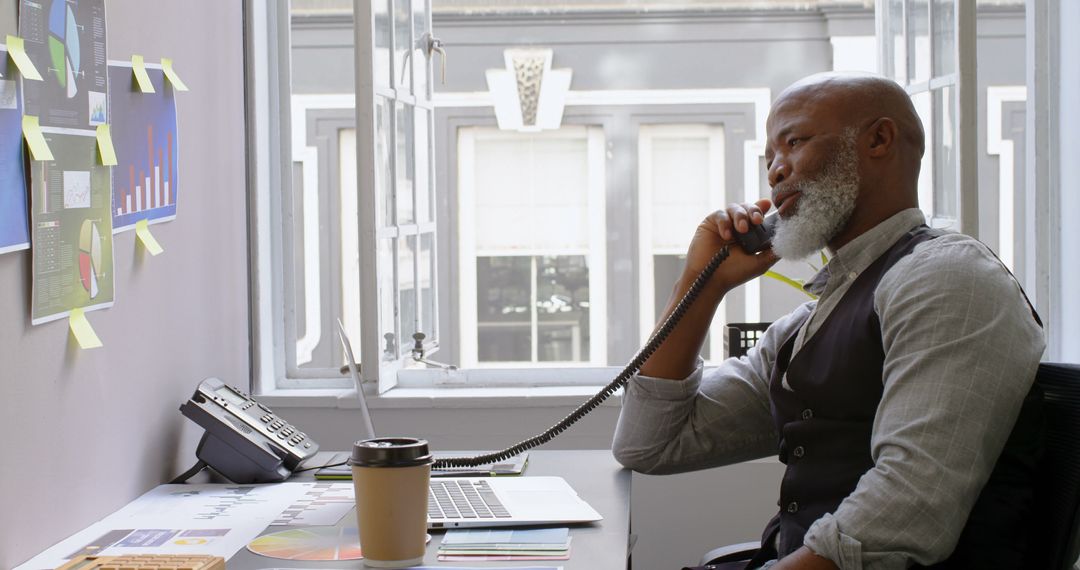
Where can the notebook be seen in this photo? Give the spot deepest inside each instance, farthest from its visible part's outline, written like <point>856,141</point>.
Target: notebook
<point>485,501</point>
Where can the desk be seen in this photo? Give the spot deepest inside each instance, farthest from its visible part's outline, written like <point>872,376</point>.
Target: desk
<point>594,474</point>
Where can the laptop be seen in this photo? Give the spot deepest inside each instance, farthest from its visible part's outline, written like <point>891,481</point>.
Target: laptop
<point>455,502</point>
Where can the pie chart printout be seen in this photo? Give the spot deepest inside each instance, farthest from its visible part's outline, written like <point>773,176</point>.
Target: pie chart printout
<point>64,47</point>
<point>310,543</point>
<point>89,257</point>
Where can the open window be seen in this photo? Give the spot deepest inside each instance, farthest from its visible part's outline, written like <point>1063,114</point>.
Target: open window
<point>928,46</point>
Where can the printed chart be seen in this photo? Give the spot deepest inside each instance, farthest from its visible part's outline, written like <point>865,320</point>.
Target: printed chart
<point>66,42</point>
<point>324,504</point>
<point>144,134</point>
<point>314,543</point>
<point>14,231</point>
<point>180,519</point>
<point>72,228</point>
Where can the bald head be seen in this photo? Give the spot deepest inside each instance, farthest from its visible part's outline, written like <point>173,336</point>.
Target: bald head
<point>853,138</point>
<point>857,99</point>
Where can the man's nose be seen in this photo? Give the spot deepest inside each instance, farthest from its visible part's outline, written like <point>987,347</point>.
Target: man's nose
<point>778,172</point>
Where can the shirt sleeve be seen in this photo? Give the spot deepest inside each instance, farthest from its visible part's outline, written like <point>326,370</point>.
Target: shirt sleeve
<point>961,351</point>
<point>711,418</point>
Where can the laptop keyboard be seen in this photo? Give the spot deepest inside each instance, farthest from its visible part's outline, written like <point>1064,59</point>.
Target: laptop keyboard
<point>464,499</point>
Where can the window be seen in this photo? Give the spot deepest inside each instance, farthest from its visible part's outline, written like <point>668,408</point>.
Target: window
<point>555,249</point>
<point>680,179</point>
<point>346,228</point>
<point>531,247</point>
<point>928,47</point>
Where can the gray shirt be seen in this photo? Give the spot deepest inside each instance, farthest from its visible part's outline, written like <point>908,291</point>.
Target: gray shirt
<point>961,350</point>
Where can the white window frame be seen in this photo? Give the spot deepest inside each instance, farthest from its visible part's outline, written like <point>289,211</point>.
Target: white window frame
<point>595,253</point>
<point>277,145</point>
<point>893,55</point>
<point>715,195</point>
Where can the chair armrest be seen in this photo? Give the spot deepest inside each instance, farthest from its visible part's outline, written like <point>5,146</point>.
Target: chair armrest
<point>731,553</point>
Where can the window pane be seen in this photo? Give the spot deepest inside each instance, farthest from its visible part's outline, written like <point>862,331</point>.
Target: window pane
<point>427,286</point>
<point>922,103</point>
<point>944,37</point>
<point>666,270</point>
<point>944,142</point>
<point>402,46</point>
<point>384,174</point>
<point>918,38</point>
<point>424,181</point>
<point>894,41</point>
<point>350,238</point>
<point>419,55</point>
<point>383,69</point>
<point>532,192</point>
<point>405,158</point>
<point>680,183</point>
<point>504,319</point>
<point>562,308</point>
<point>407,289</point>
<point>387,293</point>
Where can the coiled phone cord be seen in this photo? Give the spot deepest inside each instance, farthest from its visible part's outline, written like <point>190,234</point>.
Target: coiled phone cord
<point>629,371</point>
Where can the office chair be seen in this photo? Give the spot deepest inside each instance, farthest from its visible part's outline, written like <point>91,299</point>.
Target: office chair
<point>1057,495</point>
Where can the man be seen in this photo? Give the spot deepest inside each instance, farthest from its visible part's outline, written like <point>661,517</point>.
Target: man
<point>893,395</point>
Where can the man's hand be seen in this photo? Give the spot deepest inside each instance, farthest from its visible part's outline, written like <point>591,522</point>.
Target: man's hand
<point>719,229</point>
<point>804,559</point>
<point>677,357</point>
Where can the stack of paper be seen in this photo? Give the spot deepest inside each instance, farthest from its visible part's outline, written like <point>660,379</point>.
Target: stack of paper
<point>483,545</point>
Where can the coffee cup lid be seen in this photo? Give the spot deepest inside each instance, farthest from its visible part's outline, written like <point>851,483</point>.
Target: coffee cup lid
<point>390,452</point>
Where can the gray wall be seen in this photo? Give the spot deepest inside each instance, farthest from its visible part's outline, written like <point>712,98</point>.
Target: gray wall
<point>91,430</point>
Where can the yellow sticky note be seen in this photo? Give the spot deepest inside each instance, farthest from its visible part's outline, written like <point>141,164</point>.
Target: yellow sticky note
<point>84,333</point>
<point>105,146</point>
<point>166,65</point>
<point>17,48</point>
<point>39,149</point>
<point>139,68</point>
<point>142,229</point>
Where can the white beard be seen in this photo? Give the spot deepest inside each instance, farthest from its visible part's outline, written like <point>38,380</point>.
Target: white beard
<point>824,208</point>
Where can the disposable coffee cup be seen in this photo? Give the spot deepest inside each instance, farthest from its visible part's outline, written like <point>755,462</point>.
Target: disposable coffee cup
<point>390,476</point>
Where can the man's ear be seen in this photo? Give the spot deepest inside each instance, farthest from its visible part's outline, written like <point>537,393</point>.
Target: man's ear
<point>882,133</point>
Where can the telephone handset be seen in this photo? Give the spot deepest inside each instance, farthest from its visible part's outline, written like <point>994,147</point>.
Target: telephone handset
<point>757,239</point>
<point>244,440</point>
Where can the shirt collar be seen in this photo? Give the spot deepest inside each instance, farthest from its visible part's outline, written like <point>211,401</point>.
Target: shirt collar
<point>859,253</point>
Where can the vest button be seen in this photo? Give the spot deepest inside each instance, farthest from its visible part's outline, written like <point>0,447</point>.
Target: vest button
<point>798,451</point>
<point>793,507</point>
<point>807,414</point>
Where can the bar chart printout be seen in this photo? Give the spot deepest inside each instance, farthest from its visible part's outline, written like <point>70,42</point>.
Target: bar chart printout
<point>145,180</point>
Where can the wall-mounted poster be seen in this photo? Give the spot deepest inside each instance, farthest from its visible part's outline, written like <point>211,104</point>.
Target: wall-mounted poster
<point>72,227</point>
<point>14,231</point>
<point>66,41</point>
<point>146,179</point>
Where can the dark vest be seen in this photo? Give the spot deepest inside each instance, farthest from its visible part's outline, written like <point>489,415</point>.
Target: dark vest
<point>825,420</point>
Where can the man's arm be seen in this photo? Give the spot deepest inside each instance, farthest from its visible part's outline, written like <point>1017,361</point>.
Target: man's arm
<point>668,426</point>
<point>804,559</point>
<point>672,421</point>
<point>961,350</point>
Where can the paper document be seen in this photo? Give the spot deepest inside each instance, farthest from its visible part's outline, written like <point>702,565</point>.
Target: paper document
<point>184,519</point>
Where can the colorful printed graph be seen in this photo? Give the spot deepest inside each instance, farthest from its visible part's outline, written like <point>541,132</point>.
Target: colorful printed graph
<point>64,46</point>
<point>311,543</point>
<point>146,181</point>
<point>154,187</point>
<point>90,257</point>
